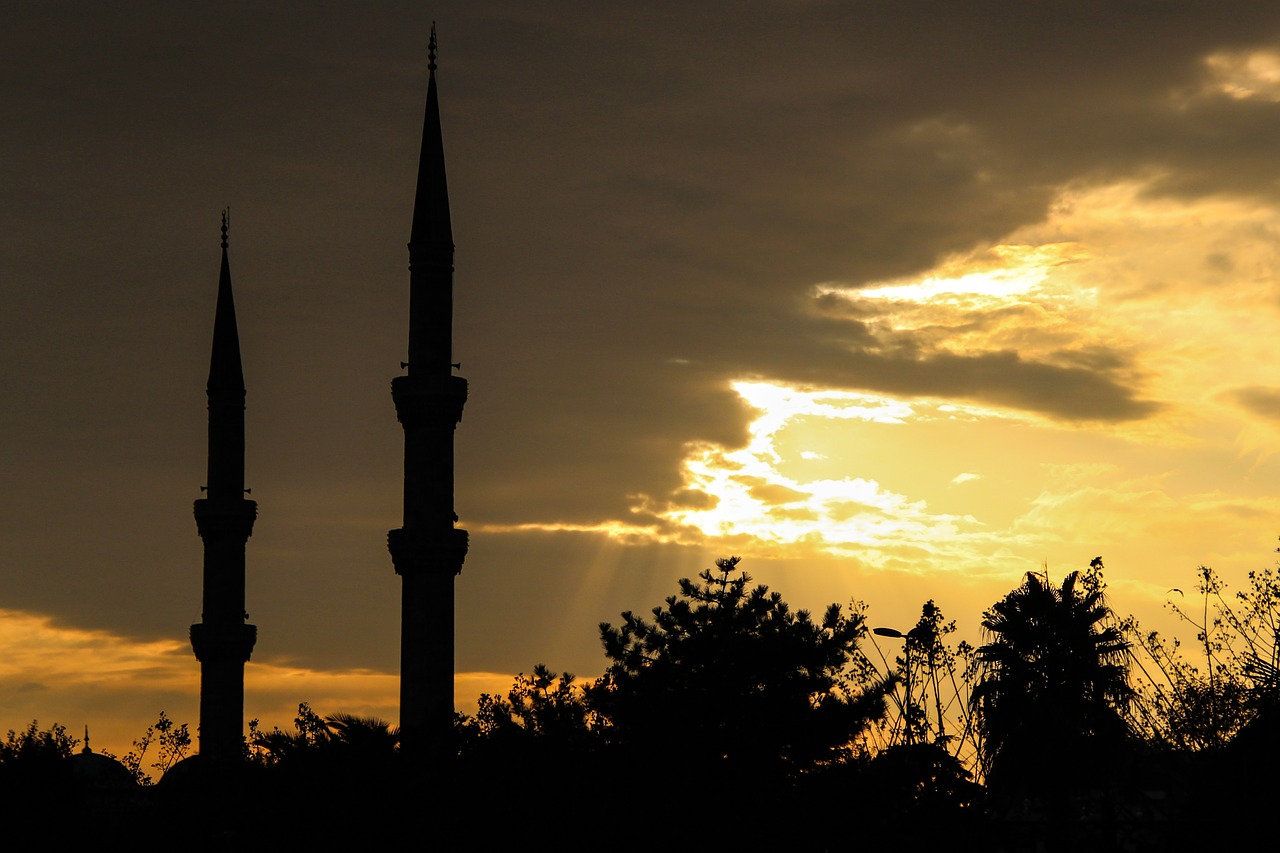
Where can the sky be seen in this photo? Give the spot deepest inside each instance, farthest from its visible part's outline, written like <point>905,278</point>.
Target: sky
<point>895,300</point>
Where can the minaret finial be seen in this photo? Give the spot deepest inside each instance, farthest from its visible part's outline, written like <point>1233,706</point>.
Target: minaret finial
<point>431,49</point>
<point>226,220</point>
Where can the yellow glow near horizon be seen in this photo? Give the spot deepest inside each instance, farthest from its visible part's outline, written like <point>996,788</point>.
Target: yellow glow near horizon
<point>39,649</point>
<point>116,685</point>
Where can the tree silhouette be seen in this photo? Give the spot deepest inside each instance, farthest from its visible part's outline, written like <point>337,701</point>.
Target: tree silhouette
<point>335,741</point>
<point>348,763</point>
<point>728,679</point>
<point>543,710</point>
<point>35,744</point>
<point>1053,685</point>
<point>33,766</point>
<point>172,742</point>
<point>1194,707</point>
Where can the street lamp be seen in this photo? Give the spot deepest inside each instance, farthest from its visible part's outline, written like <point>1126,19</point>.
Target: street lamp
<point>906,653</point>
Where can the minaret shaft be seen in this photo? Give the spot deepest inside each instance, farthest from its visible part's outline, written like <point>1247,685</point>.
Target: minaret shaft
<point>222,640</point>
<point>226,449</point>
<point>430,309</point>
<point>428,550</point>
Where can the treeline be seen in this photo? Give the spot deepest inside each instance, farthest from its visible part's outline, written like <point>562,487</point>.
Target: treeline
<point>724,718</point>
<point>1068,727</point>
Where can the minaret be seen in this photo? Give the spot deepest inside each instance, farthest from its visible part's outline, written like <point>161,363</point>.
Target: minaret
<point>222,640</point>
<point>428,550</point>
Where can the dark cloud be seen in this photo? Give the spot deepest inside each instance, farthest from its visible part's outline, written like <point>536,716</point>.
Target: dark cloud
<point>1001,378</point>
<point>845,510</point>
<point>1260,400</point>
<point>785,513</point>
<point>693,499</point>
<point>771,493</point>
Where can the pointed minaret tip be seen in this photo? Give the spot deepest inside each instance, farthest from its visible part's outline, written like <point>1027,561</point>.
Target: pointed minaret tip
<point>225,372</point>
<point>431,224</point>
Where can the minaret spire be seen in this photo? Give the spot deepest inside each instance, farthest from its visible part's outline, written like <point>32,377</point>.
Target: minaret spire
<point>428,550</point>
<point>431,222</point>
<point>222,640</point>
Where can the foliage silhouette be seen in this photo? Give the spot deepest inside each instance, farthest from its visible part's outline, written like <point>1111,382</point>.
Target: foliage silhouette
<point>934,705</point>
<point>1189,706</point>
<point>1214,723</point>
<point>728,678</point>
<point>922,779</point>
<point>33,764</point>
<point>334,742</point>
<point>34,744</point>
<point>1053,686</point>
<point>56,798</point>
<point>350,762</point>
<point>542,711</point>
<point>172,741</point>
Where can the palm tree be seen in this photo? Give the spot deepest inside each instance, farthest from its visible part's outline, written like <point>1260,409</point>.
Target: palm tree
<point>369,736</point>
<point>1054,683</point>
<point>337,744</point>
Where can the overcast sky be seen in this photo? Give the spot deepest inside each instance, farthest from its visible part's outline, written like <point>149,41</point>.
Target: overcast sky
<point>895,300</point>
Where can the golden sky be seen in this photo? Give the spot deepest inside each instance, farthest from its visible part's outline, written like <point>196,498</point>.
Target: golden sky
<point>895,300</point>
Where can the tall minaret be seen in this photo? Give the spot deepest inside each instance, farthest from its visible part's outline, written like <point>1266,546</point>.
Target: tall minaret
<point>223,640</point>
<point>428,550</point>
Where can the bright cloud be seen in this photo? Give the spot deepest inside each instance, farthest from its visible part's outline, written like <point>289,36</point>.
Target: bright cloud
<point>1174,296</point>
<point>1246,74</point>
<point>1006,271</point>
<point>842,515</point>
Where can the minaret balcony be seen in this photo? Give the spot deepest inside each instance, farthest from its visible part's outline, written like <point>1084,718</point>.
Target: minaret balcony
<point>218,519</point>
<point>430,399</point>
<point>435,552</point>
<point>223,642</point>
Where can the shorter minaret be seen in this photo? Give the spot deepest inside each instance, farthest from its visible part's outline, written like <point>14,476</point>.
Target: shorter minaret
<point>223,640</point>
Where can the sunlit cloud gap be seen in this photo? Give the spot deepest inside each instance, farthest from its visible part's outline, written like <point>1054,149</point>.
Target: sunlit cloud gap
<point>749,497</point>
<point>610,529</point>
<point>1003,272</point>
<point>1245,75</point>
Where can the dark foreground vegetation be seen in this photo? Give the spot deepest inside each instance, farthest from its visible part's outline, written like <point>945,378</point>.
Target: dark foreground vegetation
<point>725,720</point>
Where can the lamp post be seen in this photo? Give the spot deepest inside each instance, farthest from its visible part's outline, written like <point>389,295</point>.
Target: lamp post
<point>906,653</point>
